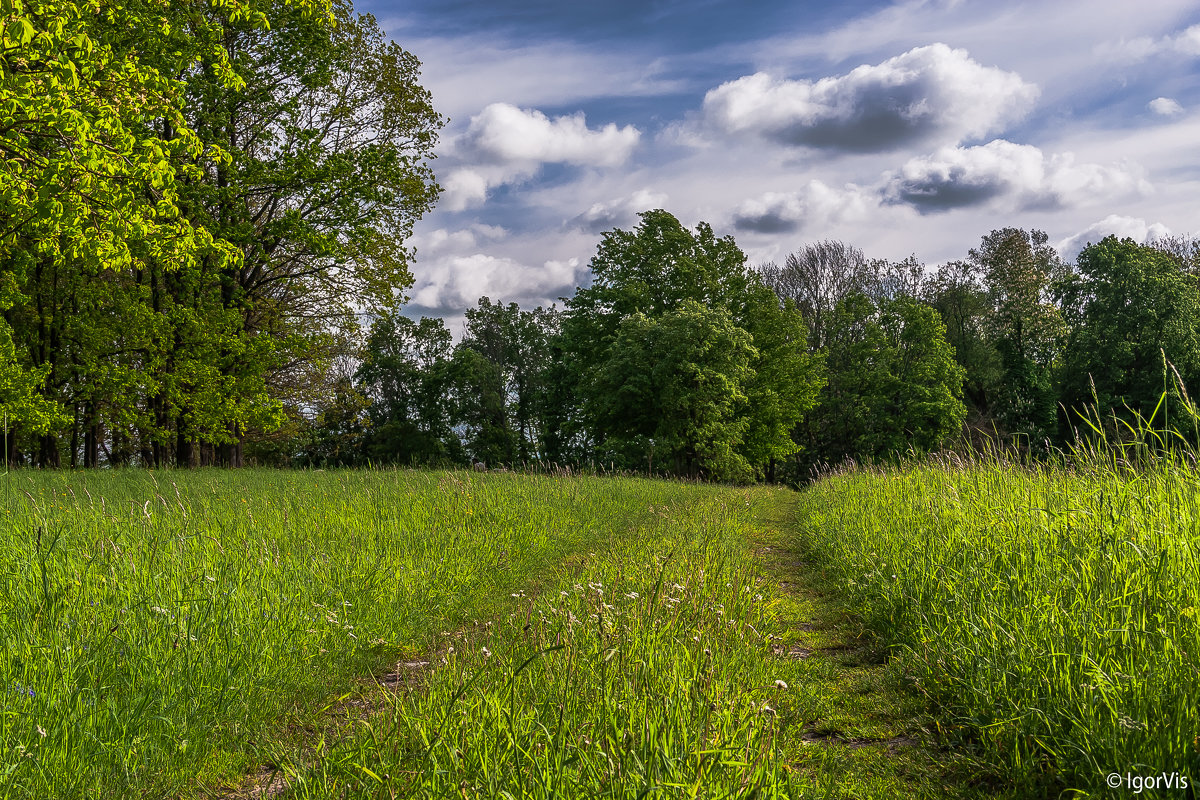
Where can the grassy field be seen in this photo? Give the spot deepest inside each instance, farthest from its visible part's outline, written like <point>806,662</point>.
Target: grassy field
<point>156,627</point>
<point>393,634</point>
<point>1050,614</point>
<point>966,630</point>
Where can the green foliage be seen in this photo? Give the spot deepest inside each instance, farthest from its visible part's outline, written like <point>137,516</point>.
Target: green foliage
<point>1027,330</point>
<point>515,346</point>
<point>185,227</point>
<point>785,379</point>
<point>406,374</point>
<point>665,353</point>
<point>672,385</point>
<point>893,383</point>
<point>1131,304</point>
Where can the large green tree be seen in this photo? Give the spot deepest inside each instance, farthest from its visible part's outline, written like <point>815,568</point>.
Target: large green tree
<point>1027,329</point>
<point>893,384</point>
<point>644,279</point>
<point>672,388</point>
<point>1130,305</point>
<point>189,230</point>
<point>329,145</point>
<point>406,374</point>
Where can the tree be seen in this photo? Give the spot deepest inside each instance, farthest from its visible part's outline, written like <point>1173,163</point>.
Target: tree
<point>405,373</point>
<point>956,292</point>
<point>516,344</point>
<point>817,277</point>
<point>1132,305</point>
<point>88,183</point>
<point>643,280</point>
<point>329,145</point>
<point>189,230</point>
<point>672,389</point>
<point>785,380</point>
<point>893,384</point>
<point>1026,328</point>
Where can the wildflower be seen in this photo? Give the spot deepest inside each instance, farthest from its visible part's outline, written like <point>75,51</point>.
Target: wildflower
<point>486,653</point>
<point>632,595</point>
<point>41,731</point>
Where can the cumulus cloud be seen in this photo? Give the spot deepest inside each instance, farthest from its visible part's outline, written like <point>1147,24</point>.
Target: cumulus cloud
<point>504,143</point>
<point>1165,106</point>
<point>1017,176</point>
<point>617,213</point>
<point>502,133</point>
<point>448,285</point>
<point>442,240</point>
<point>931,93</point>
<point>1113,225</point>
<point>786,212</point>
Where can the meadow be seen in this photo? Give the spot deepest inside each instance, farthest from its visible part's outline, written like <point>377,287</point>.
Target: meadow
<point>949,628</point>
<point>227,634</point>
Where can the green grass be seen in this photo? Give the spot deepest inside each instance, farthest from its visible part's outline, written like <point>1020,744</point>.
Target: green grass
<point>1050,614</point>
<point>208,634</point>
<point>674,662</point>
<point>157,627</point>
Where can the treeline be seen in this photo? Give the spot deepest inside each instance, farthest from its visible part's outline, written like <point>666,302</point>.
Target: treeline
<point>197,200</point>
<point>201,203</point>
<point>682,359</point>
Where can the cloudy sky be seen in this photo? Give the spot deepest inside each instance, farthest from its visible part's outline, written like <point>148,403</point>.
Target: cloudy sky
<point>903,128</point>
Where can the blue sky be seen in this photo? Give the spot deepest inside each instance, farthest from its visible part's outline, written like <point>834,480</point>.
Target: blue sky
<point>903,128</point>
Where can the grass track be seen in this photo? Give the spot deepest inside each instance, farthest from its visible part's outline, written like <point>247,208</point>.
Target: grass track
<point>157,627</point>
<point>662,663</point>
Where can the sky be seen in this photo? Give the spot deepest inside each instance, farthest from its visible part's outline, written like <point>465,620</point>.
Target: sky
<point>903,128</point>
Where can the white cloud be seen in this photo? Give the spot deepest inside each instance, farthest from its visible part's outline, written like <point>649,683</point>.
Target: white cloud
<point>618,213</point>
<point>442,240</point>
<point>463,188</point>
<point>452,283</point>
<point>1112,225</point>
<point>1185,43</point>
<point>503,133</point>
<point>1165,106</point>
<point>504,144</point>
<point>931,93</point>
<point>1014,176</point>
<point>815,204</point>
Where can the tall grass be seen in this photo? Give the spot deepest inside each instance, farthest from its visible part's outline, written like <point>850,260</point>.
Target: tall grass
<point>156,626</point>
<point>1050,611</point>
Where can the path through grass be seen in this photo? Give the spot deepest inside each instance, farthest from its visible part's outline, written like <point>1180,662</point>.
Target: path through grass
<point>411,634</point>
<point>689,658</point>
